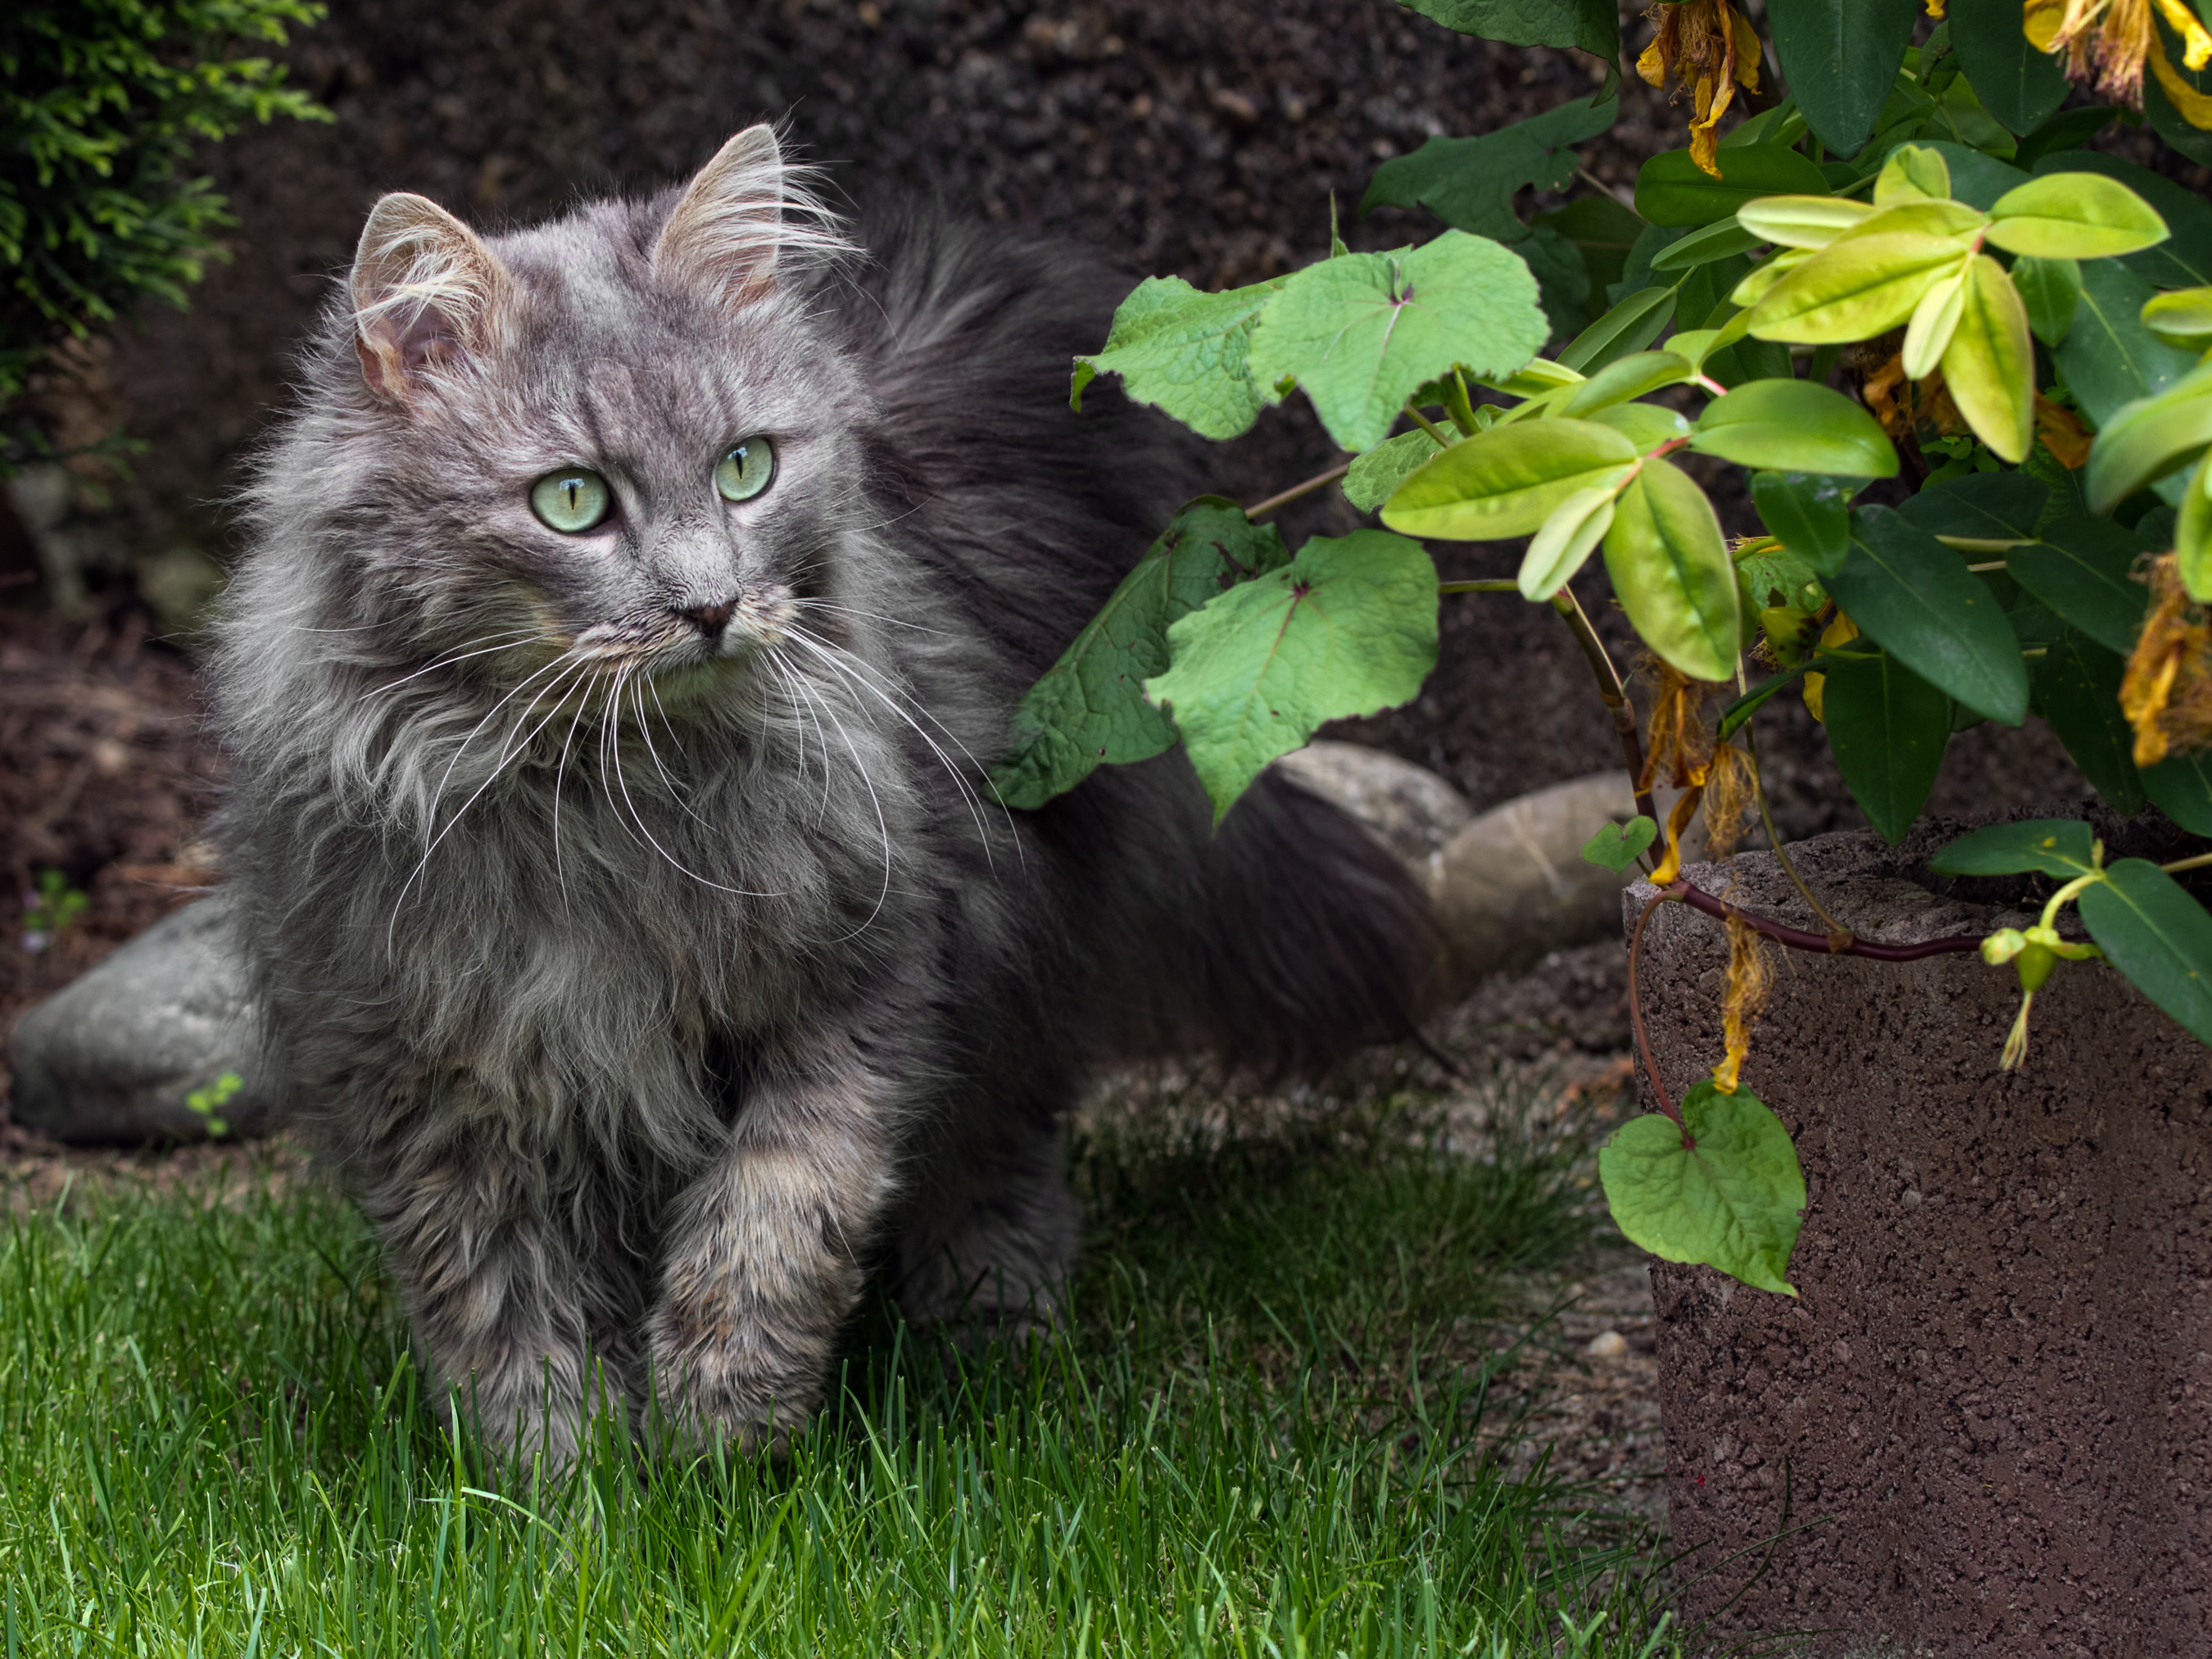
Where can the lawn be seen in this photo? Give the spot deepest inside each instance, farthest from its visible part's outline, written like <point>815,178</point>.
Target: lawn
<point>1273,1426</point>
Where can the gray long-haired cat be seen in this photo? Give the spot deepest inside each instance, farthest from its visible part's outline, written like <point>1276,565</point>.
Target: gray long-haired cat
<point>632,605</point>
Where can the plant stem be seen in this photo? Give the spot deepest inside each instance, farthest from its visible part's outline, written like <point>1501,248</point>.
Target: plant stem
<point>1636,1013</point>
<point>1839,936</point>
<point>1505,586</point>
<point>1798,940</point>
<point>1609,687</point>
<point>1297,489</point>
<point>1436,433</point>
<point>2179,865</point>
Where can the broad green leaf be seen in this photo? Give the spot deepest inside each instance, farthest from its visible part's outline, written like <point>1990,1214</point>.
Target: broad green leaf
<point>2069,129</point>
<point>2051,290</point>
<point>1671,189</point>
<point>1914,596</point>
<point>1626,329</point>
<point>1934,320</point>
<point>1375,475</point>
<point>1645,425</point>
<point>1840,57</point>
<point>1810,514</point>
<point>1856,289</point>
<point>1183,352</point>
<point>2074,216</point>
<point>1715,241</point>
<point>2180,130</point>
<point>1988,368</point>
<point>1592,25</point>
<point>2077,690</point>
<point>1728,1194</point>
<point>1567,538</point>
<point>1617,845</point>
<point>1089,707</point>
<point>2182,787</point>
<point>1919,217</point>
<point>1622,380</point>
<point>1982,512</point>
<point>1532,380</point>
<point>1563,283</point>
<point>1801,222</point>
<point>2184,260</point>
<point>1775,577</point>
<point>1795,425</point>
<point>1670,568</point>
<point>1507,481</point>
<point>1977,180</point>
<point>1470,182</point>
<point>1913,173</point>
<point>1765,280</point>
<point>2192,533</point>
<point>2182,318</point>
<point>2145,439</point>
<point>2084,569</point>
<point>1888,728</point>
<point>2056,847</point>
<point>2109,358</point>
<point>2158,936</point>
<point>2017,84</point>
<point>1349,627</point>
<point>1604,231</point>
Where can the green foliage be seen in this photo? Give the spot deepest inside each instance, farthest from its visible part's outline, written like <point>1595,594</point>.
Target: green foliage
<point>1470,182</point>
<point>209,1099</point>
<point>1913,596</point>
<point>1888,728</point>
<point>2056,847</point>
<point>1184,353</point>
<point>1841,57</point>
<point>1617,845</point>
<point>2158,936</point>
<point>102,106</point>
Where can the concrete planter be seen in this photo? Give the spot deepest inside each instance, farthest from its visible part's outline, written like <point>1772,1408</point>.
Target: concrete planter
<point>1993,1400</point>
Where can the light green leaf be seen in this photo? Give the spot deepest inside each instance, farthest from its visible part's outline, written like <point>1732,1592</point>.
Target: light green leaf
<point>1913,173</point>
<point>1361,333</point>
<point>1724,1189</point>
<point>2084,569</point>
<point>2051,290</point>
<point>1384,467</point>
<point>2184,260</point>
<point>1914,596</point>
<point>1917,216</point>
<point>2077,690</point>
<point>1645,425</point>
<point>1090,708</point>
<point>1627,328</point>
<point>1715,241</point>
<point>1795,425</point>
<point>2182,318</point>
<point>1888,728</point>
<point>1470,182</point>
<point>1617,845</point>
<point>1671,570</point>
<point>1808,513</point>
<point>2158,936</point>
<point>2056,847</point>
<point>2192,535</point>
<point>1860,288</point>
<point>1183,352</point>
<point>2109,358</point>
<point>1507,481</point>
<point>1990,366</point>
<point>1565,541</point>
<point>1672,189</point>
<point>1934,320</point>
<point>2146,439</point>
<point>1623,379</point>
<point>1348,628</point>
<point>1801,222</point>
<point>2074,216</point>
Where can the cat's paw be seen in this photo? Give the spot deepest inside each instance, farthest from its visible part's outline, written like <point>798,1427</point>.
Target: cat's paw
<point>711,1388</point>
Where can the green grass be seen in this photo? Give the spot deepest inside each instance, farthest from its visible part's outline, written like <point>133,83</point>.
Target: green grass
<point>1269,1430</point>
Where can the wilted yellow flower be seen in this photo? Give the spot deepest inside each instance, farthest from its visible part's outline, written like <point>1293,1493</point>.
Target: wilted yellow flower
<point>2107,44</point>
<point>1708,46</point>
<point>2166,692</point>
<point>1749,977</point>
<point>2062,434</point>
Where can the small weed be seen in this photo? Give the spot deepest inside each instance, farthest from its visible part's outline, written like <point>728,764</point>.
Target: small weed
<point>209,1099</point>
<point>51,911</point>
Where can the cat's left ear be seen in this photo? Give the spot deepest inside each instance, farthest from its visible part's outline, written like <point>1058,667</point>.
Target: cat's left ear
<point>746,213</point>
<point>426,292</point>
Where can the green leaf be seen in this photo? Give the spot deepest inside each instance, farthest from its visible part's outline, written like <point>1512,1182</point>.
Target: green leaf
<point>1988,368</point>
<point>1775,577</point>
<point>1840,58</point>
<point>1801,222</point>
<point>2109,358</point>
<point>2019,85</point>
<point>1976,179</point>
<point>1629,327</point>
<point>1183,352</point>
<point>2182,319</point>
<point>1860,287</point>
<point>1981,512</point>
<point>1715,241</point>
<point>1348,628</point>
<point>1795,425</point>
<point>1089,707</point>
<point>1671,189</point>
<point>1617,845</point>
<point>1592,25</point>
<point>2084,568</point>
<point>2056,847</point>
<point>1361,333</point>
<point>2074,216</point>
<point>1728,1193</point>
<point>1563,283</point>
<point>1914,597</point>
<point>2144,439</point>
<point>2077,689</point>
<point>1913,172</point>
<point>2185,257</point>
<point>1621,379</point>
<point>2051,290</point>
<point>1645,425</point>
<point>1602,229</point>
<point>2068,130</point>
<point>1508,480</point>
<point>1888,728</point>
<point>1807,514</point>
<point>1558,550</point>
<point>1470,182</point>
<point>2192,533</point>
<point>2182,787</point>
<point>1670,568</point>
<point>1375,475</point>
<point>2158,936</point>
<point>2158,111</point>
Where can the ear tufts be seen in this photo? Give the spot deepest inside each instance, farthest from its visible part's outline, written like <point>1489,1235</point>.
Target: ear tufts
<point>426,292</point>
<point>747,215</point>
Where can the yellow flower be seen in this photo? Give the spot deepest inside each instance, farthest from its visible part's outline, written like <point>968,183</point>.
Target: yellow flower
<point>2108,42</point>
<point>2166,692</point>
<point>1710,47</point>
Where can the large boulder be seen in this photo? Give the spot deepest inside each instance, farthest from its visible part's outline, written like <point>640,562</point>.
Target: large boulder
<point>113,1057</point>
<point>1408,808</point>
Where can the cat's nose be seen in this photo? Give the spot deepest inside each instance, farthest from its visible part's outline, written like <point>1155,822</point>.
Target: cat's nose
<point>710,619</point>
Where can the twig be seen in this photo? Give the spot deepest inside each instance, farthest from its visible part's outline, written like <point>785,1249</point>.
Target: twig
<point>1798,940</point>
<point>1436,433</point>
<point>1636,1011</point>
<point>1297,489</point>
<point>1609,687</point>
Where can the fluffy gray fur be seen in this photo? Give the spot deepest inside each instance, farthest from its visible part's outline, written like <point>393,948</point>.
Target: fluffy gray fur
<point>636,933</point>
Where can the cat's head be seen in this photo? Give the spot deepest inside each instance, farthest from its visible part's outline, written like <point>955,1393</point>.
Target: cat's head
<point>617,442</point>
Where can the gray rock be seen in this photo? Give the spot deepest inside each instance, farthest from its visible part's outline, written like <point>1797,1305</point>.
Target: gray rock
<point>110,1058</point>
<point>1408,808</point>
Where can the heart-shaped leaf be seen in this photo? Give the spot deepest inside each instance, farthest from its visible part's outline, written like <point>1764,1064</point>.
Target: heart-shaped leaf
<point>1184,353</point>
<point>1617,845</point>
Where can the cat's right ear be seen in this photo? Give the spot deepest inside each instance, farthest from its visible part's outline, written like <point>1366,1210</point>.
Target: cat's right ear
<point>426,292</point>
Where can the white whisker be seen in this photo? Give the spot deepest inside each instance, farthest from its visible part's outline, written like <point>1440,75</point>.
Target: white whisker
<point>882,827</point>
<point>621,678</point>
<point>506,642</point>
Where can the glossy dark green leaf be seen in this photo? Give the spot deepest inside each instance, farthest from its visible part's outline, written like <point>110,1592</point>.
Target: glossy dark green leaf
<point>1888,728</point>
<point>1981,512</point>
<point>1795,425</point>
<point>1672,189</point>
<point>1603,230</point>
<point>2167,122</point>
<point>2019,85</point>
<point>2077,690</point>
<point>2056,847</point>
<point>2109,358</point>
<point>1915,597</point>
<point>1625,329</point>
<point>2068,130</point>
<point>2182,788</point>
<point>1670,568</point>
<point>2158,936</point>
<point>1470,182</point>
<point>2051,290</point>
<point>2084,569</point>
<point>1592,25</point>
<point>1563,283</point>
<point>2185,259</point>
<point>1808,513</point>
<point>1840,58</point>
<point>1725,1189</point>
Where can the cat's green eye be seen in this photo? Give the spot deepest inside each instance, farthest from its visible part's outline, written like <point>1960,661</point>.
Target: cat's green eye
<point>745,471</point>
<point>570,500</point>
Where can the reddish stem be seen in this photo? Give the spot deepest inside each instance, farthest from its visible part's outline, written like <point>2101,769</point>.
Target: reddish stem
<point>1635,1009</point>
<point>1798,938</point>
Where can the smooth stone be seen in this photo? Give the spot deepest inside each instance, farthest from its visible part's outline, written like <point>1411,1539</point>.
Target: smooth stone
<point>109,1059</point>
<point>1408,808</point>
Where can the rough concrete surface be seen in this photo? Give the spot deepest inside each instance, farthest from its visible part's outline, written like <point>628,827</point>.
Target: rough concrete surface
<point>1990,1408</point>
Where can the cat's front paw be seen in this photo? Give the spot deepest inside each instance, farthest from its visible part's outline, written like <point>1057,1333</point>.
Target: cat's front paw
<point>716,1384</point>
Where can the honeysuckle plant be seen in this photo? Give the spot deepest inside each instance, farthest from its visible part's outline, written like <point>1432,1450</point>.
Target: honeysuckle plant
<point>1910,269</point>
